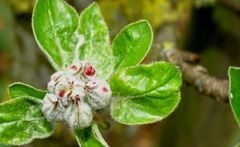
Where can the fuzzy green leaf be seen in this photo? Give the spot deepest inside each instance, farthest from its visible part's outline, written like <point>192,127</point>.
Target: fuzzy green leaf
<point>90,137</point>
<point>145,93</point>
<point>54,25</point>
<point>96,48</point>
<point>19,89</point>
<point>21,121</point>
<point>132,44</point>
<point>234,81</point>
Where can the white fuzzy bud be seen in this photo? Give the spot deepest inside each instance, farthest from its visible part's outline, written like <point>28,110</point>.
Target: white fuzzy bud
<point>78,115</point>
<point>52,109</point>
<point>75,68</point>
<point>99,94</point>
<point>73,93</point>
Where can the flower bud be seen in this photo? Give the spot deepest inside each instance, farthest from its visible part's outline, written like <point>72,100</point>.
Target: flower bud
<point>63,85</point>
<point>78,115</point>
<point>73,93</point>
<point>51,108</point>
<point>91,84</point>
<point>76,67</point>
<point>89,70</point>
<point>99,94</point>
<point>77,94</point>
<point>54,78</point>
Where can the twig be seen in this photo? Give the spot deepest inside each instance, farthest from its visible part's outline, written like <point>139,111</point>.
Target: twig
<point>193,74</point>
<point>197,75</point>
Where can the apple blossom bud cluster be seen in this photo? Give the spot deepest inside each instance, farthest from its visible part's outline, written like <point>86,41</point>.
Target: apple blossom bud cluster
<point>73,95</point>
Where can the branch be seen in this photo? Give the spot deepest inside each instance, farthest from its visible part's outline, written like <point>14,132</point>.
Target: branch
<point>197,75</point>
<point>193,74</point>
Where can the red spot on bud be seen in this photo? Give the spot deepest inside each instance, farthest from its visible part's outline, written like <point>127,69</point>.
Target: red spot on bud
<point>61,93</point>
<point>73,67</point>
<point>70,83</point>
<point>89,70</point>
<point>104,89</point>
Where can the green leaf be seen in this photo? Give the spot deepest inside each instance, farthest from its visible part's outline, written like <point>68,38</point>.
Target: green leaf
<point>19,89</point>
<point>234,81</point>
<point>96,48</point>
<point>145,93</point>
<point>21,121</point>
<point>90,137</point>
<point>132,44</point>
<point>54,26</point>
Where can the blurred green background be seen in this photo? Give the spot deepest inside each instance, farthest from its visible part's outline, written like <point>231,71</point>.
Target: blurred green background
<point>208,27</point>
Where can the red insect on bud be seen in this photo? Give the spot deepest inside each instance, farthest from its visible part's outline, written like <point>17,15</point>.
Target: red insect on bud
<point>89,70</point>
<point>61,93</point>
